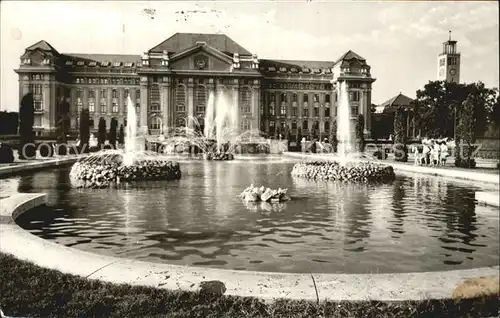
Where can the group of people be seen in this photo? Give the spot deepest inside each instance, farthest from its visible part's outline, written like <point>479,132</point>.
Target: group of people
<point>431,153</point>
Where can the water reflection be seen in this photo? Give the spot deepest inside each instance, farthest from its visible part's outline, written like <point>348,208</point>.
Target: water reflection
<point>412,224</point>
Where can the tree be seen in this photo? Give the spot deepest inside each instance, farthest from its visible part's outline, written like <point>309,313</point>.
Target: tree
<point>27,148</point>
<point>101,132</point>
<point>112,132</point>
<point>464,143</point>
<point>333,136</point>
<point>438,103</point>
<point>400,147</point>
<point>84,130</point>
<point>121,135</point>
<point>360,136</point>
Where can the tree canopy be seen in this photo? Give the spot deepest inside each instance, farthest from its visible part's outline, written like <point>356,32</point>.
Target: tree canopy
<point>439,102</point>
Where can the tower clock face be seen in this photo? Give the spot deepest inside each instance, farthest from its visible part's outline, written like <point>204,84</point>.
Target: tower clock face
<point>453,71</point>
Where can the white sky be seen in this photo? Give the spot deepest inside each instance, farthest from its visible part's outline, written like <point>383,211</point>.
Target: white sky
<point>400,40</point>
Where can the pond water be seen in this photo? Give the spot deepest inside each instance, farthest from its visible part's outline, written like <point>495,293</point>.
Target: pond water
<point>414,224</point>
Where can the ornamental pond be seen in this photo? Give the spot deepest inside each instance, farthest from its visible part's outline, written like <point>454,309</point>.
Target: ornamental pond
<point>411,224</point>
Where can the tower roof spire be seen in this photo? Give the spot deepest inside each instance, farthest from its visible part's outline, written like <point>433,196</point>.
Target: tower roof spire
<point>449,35</point>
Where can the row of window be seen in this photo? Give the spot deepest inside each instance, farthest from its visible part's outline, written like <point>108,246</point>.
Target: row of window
<point>104,93</point>
<point>106,80</point>
<point>354,96</point>
<point>98,64</point>
<point>304,126</point>
<point>304,70</point>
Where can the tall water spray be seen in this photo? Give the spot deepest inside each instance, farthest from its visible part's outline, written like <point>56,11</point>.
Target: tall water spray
<point>209,117</point>
<point>130,133</point>
<point>344,124</point>
<point>221,119</point>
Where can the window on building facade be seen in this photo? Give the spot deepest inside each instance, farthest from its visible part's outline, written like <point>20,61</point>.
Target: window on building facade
<point>355,85</point>
<point>155,107</point>
<point>180,98</point>
<point>354,96</point>
<point>114,107</point>
<point>272,109</point>
<point>283,98</point>
<point>125,108</point>
<point>114,93</point>
<point>283,110</point>
<point>336,97</point>
<point>126,93</point>
<point>245,125</point>
<point>79,106</point>
<point>38,105</point>
<point>271,125</point>
<point>327,126</point>
<point>201,99</point>
<point>103,93</point>
<point>295,97</point>
<point>91,93</point>
<point>180,122</point>
<point>354,110</point>
<point>261,109</point>
<point>78,93</point>
<point>91,106</point>
<point>316,98</point>
<point>327,111</point>
<point>77,122</point>
<point>316,125</point>
<point>294,111</point>
<point>305,125</point>
<point>316,111</point>
<point>294,124</point>
<point>305,112</point>
<point>103,106</point>
<point>246,100</point>
<point>155,123</point>
<point>327,98</point>
<point>137,108</point>
<point>305,99</point>
<point>37,89</point>
<point>137,93</point>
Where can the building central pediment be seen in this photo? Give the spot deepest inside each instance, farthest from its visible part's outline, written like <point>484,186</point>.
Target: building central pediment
<point>201,57</point>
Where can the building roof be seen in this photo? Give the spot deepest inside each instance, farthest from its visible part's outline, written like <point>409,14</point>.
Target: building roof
<point>390,105</point>
<point>125,58</point>
<point>350,55</point>
<point>297,63</point>
<point>182,41</point>
<point>44,46</point>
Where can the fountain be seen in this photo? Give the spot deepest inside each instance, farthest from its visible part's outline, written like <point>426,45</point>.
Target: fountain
<point>349,165</point>
<point>219,137</point>
<point>105,167</point>
<point>344,124</point>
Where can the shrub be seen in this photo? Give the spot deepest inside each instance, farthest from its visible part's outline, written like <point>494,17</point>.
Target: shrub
<point>466,135</point>
<point>333,136</point>
<point>26,134</point>
<point>6,154</point>
<point>112,132</point>
<point>84,129</point>
<point>93,149</point>
<point>360,137</point>
<point>101,133</point>
<point>400,147</point>
<point>107,147</point>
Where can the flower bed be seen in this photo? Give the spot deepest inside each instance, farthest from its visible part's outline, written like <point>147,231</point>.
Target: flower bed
<point>101,175</point>
<point>354,172</point>
<point>218,156</point>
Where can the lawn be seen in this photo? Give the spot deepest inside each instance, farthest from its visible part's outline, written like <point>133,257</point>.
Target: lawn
<point>30,291</point>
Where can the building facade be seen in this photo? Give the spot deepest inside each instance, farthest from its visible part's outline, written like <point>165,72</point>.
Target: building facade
<point>171,83</point>
<point>449,62</point>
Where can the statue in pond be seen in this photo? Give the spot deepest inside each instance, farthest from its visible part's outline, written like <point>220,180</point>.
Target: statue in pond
<point>263,194</point>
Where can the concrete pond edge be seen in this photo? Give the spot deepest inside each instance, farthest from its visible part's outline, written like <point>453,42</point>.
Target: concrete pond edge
<point>265,285</point>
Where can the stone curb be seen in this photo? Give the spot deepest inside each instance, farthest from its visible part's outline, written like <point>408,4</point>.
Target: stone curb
<point>451,173</point>
<point>335,287</point>
<point>21,167</point>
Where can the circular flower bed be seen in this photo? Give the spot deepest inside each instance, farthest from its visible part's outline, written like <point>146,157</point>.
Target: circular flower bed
<point>218,156</point>
<point>355,172</point>
<point>101,173</point>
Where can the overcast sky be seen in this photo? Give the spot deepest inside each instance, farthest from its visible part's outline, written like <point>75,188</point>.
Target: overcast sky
<point>400,40</point>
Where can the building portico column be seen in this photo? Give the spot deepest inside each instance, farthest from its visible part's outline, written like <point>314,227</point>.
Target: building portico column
<point>190,101</point>
<point>256,106</point>
<point>165,104</point>
<point>144,105</point>
<point>235,108</point>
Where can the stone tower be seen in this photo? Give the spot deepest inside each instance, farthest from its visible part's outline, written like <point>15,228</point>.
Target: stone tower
<point>449,62</point>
